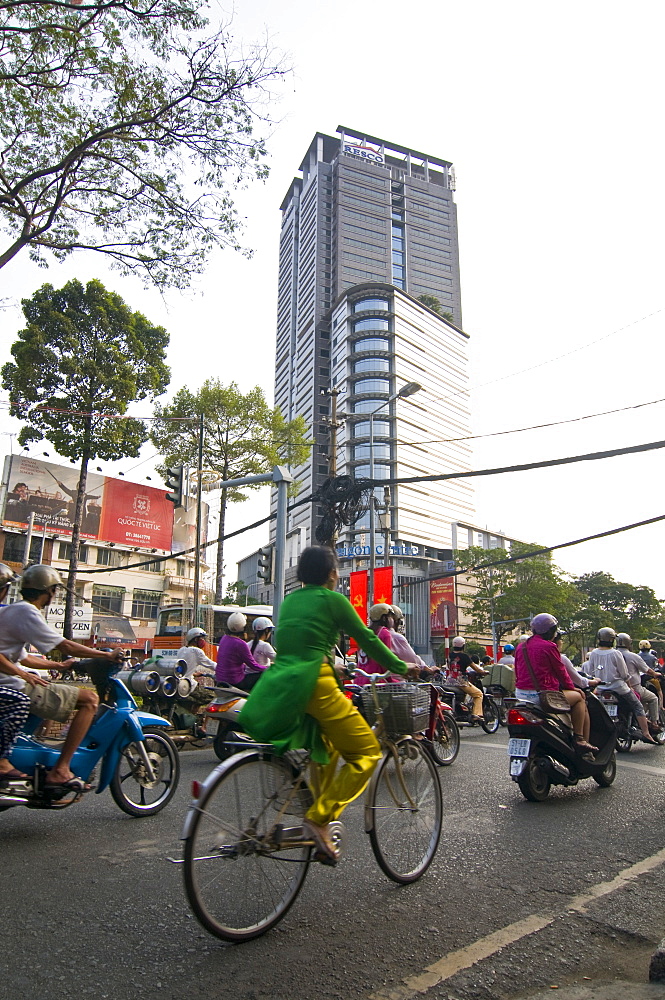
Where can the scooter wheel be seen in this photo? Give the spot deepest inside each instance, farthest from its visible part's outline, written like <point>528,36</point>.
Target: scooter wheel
<point>222,751</point>
<point>608,774</point>
<point>534,784</point>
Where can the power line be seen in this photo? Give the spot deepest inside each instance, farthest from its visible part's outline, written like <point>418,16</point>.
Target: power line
<point>526,467</point>
<point>533,427</point>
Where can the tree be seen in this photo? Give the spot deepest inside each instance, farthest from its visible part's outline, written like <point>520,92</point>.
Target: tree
<point>243,437</point>
<point>236,593</point>
<point>83,355</point>
<point>436,306</point>
<point>517,590</point>
<point>124,129</point>
<point>624,607</point>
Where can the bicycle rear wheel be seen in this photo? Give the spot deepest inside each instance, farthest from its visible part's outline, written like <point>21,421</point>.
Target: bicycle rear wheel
<point>242,873</point>
<point>444,747</point>
<point>403,813</point>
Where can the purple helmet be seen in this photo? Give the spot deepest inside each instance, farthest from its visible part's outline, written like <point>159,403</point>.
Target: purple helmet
<point>543,623</point>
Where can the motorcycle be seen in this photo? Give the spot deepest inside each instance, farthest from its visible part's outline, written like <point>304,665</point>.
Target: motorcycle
<point>627,727</point>
<point>542,751</point>
<point>140,767</point>
<point>168,693</point>
<point>221,720</point>
<point>462,707</point>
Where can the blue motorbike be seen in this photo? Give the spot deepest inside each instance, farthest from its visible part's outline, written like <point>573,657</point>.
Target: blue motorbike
<point>125,750</point>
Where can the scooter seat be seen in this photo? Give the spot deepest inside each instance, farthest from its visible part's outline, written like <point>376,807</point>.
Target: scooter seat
<point>225,689</point>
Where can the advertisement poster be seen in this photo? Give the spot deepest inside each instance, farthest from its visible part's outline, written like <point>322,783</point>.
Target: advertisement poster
<point>442,599</point>
<point>114,510</point>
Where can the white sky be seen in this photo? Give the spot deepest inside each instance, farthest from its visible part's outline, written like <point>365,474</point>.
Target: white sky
<point>552,116</point>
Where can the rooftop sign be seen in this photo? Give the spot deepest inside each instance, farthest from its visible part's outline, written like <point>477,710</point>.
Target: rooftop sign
<point>364,151</point>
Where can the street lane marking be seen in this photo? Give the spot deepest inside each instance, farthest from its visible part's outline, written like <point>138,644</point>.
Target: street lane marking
<point>456,961</point>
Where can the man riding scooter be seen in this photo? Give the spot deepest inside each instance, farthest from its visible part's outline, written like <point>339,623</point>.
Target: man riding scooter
<point>22,624</point>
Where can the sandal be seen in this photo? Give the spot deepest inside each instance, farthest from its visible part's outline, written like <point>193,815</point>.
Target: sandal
<point>12,775</point>
<point>325,852</point>
<point>581,745</point>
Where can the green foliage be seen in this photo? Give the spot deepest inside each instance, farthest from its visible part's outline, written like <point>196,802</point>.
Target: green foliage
<point>236,593</point>
<point>243,437</point>
<point>624,607</point>
<point>436,306</point>
<point>125,129</point>
<point>84,351</point>
<point>475,647</point>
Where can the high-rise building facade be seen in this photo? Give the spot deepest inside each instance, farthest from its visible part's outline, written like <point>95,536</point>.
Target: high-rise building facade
<point>368,228</point>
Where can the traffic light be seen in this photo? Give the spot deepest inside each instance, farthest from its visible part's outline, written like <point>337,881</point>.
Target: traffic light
<point>265,570</point>
<point>174,481</point>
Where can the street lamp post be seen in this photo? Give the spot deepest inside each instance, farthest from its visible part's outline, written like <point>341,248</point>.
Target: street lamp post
<point>406,390</point>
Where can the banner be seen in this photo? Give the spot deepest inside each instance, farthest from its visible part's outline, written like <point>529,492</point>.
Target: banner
<point>442,605</point>
<point>383,585</point>
<point>358,593</point>
<point>114,510</point>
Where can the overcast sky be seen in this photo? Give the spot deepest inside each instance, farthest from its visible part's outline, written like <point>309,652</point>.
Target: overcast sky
<point>552,115</point>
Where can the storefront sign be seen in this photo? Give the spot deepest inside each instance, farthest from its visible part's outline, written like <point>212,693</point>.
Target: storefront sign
<point>364,151</point>
<point>81,619</point>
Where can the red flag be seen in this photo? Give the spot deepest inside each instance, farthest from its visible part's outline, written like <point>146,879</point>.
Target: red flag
<point>358,593</point>
<point>383,585</point>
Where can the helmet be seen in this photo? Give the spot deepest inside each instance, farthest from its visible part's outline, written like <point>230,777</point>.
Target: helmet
<point>7,575</point>
<point>398,614</point>
<point>645,644</point>
<point>261,623</point>
<point>196,633</point>
<point>508,648</point>
<point>606,636</point>
<point>39,577</point>
<point>458,642</point>
<point>522,638</point>
<point>377,611</point>
<point>623,640</point>
<point>543,623</point>
<point>236,622</point>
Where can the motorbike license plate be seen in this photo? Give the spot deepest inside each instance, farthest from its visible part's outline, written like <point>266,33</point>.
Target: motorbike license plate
<point>212,725</point>
<point>517,765</point>
<point>612,710</point>
<point>518,748</point>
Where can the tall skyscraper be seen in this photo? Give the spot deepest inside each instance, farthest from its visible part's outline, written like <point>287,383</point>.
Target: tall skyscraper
<point>368,228</point>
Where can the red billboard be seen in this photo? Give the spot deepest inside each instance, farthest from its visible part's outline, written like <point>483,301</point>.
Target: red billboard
<point>113,511</point>
<point>442,607</point>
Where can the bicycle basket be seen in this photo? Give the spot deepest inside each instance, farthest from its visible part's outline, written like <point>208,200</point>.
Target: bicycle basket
<point>405,708</point>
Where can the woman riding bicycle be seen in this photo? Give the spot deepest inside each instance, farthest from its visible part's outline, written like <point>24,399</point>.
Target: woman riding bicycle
<point>299,701</point>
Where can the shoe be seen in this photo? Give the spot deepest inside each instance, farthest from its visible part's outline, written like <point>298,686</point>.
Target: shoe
<point>477,718</point>
<point>649,740</point>
<point>582,747</point>
<point>324,852</point>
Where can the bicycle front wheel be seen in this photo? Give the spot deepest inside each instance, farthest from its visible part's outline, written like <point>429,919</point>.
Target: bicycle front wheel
<point>243,868</point>
<point>403,814</point>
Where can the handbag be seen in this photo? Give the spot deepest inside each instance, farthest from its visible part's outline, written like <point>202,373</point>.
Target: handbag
<point>550,701</point>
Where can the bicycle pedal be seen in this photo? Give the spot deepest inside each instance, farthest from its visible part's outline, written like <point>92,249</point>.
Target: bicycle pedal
<point>338,835</point>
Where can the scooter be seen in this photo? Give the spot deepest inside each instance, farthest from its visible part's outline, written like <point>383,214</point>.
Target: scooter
<point>627,728</point>
<point>462,706</point>
<point>141,767</point>
<point>542,751</point>
<point>221,720</point>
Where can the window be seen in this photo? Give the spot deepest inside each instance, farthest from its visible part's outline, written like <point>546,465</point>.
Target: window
<point>372,365</point>
<point>381,471</point>
<point>108,598</point>
<point>371,323</point>
<point>364,304</point>
<point>109,557</point>
<point>367,405</point>
<point>145,603</point>
<point>153,567</point>
<point>65,551</point>
<point>381,428</point>
<point>180,567</point>
<point>372,385</point>
<point>371,344</point>
<point>14,550</point>
<point>381,450</point>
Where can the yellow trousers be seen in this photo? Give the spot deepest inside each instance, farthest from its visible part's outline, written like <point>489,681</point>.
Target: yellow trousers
<point>475,694</point>
<point>348,736</point>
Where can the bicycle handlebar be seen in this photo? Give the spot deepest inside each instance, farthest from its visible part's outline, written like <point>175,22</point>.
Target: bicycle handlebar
<point>372,677</point>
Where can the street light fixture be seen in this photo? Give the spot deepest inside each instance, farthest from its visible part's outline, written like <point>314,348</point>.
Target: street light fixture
<point>407,390</point>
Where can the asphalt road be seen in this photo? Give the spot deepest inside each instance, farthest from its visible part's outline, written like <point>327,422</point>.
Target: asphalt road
<point>521,896</point>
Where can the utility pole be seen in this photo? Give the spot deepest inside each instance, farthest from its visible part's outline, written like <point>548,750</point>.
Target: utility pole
<point>199,490</point>
<point>334,424</point>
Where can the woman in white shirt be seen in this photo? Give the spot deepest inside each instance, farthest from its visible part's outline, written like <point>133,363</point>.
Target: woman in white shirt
<point>259,646</point>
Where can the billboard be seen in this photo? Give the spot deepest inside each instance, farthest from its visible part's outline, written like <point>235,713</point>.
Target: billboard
<point>114,510</point>
<point>442,607</point>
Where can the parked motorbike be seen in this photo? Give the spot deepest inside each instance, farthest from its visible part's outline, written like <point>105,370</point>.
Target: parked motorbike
<point>462,707</point>
<point>141,768</point>
<point>542,751</point>
<point>627,727</point>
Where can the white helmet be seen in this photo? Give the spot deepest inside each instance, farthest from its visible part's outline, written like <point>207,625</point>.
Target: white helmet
<point>458,642</point>
<point>606,636</point>
<point>261,623</point>
<point>196,633</point>
<point>40,577</point>
<point>645,644</point>
<point>398,614</point>
<point>236,622</point>
<point>377,611</point>
<point>623,640</point>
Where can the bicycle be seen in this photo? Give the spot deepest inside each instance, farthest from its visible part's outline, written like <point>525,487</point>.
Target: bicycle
<point>442,738</point>
<point>246,856</point>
